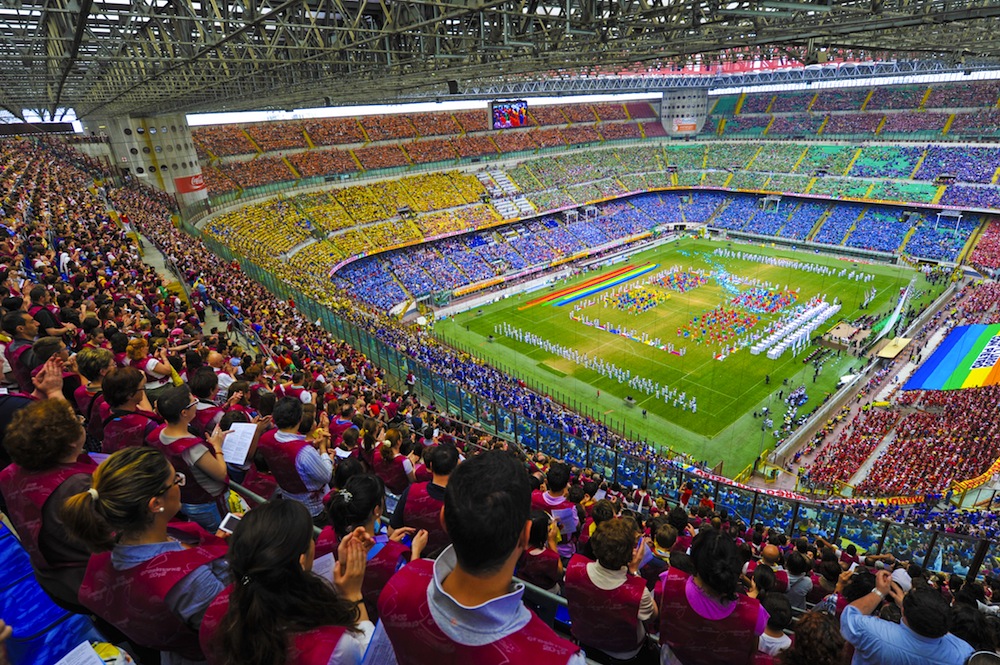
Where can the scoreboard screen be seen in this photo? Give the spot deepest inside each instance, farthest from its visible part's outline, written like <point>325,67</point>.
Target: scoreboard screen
<point>506,115</point>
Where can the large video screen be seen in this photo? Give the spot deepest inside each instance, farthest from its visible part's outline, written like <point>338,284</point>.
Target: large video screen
<point>509,114</point>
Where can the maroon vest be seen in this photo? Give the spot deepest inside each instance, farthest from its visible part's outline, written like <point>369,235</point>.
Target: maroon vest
<point>191,492</point>
<point>380,568</point>
<point>694,639</point>
<point>327,542</point>
<point>422,511</point>
<point>125,430</point>
<point>26,493</point>
<point>540,569</point>
<point>22,374</point>
<point>422,473</point>
<point>585,531</point>
<point>313,647</point>
<point>605,619</point>
<point>280,459</point>
<point>152,381</point>
<point>259,483</point>
<point>780,577</point>
<point>391,472</point>
<point>417,640</point>
<point>134,600</point>
<point>204,417</point>
<point>291,391</point>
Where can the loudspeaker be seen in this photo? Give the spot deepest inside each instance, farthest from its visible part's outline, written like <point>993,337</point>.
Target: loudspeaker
<point>452,87</point>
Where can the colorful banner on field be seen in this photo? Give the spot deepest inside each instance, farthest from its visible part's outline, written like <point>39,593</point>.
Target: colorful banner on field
<point>969,357</point>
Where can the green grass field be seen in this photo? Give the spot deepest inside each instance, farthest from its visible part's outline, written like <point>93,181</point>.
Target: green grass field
<point>727,391</point>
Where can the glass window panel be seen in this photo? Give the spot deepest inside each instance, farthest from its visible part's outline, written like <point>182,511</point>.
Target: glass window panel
<point>437,389</point>
<point>952,555</point>
<point>666,482</point>
<point>631,471</point>
<point>575,450</point>
<point>907,543</point>
<point>815,521</point>
<point>991,564</point>
<point>774,512</point>
<point>861,531</point>
<point>487,416</point>
<point>526,433</point>
<point>703,489</point>
<point>505,423</point>
<point>548,440</point>
<point>738,502</point>
<point>468,402</point>
<point>454,397</point>
<point>602,460</point>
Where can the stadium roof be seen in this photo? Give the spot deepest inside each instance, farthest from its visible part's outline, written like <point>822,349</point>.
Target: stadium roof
<point>110,57</point>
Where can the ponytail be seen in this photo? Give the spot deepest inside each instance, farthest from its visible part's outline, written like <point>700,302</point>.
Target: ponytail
<point>353,504</point>
<point>118,501</point>
<point>392,440</point>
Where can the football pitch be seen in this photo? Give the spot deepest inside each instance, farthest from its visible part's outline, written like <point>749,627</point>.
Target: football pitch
<point>671,328</point>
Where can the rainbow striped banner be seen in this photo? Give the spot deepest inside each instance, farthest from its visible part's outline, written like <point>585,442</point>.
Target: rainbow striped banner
<point>589,290</point>
<point>969,357</point>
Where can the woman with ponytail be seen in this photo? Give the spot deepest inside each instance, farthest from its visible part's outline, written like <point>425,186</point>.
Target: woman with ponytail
<point>699,609</point>
<point>361,503</point>
<point>150,578</point>
<point>394,468</point>
<point>277,611</point>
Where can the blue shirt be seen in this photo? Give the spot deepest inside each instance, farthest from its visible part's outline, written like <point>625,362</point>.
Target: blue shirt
<point>880,642</point>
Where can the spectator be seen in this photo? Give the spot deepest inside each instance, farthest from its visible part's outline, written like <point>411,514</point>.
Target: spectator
<point>477,616</point>
<point>540,564</point>
<point>608,601</point>
<point>394,468</point>
<point>93,364</point>
<point>799,579</point>
<point>303,472</point>
<point>922,637</point>
<point>204,495</point>
<point>45,440</point>
<point>817,642</point>
<point>555,502</point>
<point>279,610</point>
<point>779,617</point>
<point>23,328</point>
<point>157,369</point>
<point>153,578</point>
<point>420,504</point>
<point>126,416</point>
<point>696,609</point>
<point>361,503</point>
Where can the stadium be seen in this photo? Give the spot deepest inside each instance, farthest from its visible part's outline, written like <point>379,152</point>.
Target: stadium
<point>696,277</point>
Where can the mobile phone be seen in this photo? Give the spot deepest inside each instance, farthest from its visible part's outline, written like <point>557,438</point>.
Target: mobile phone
<point>229,522</point>
<point>407,539</point>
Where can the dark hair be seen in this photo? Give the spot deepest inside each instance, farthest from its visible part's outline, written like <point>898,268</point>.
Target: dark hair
<point>14,320</point>
<point>172,403</point>
<point>273,596</point>
<point>120,384</point>
<point>678,518</point>
<point>717,562</point>
<point>202,382</point>
<point>346,468</point>
<point>355,502</point>
<point>486,506</point>
<point>557,477</point>
<point>240,387</point>
<point>682,562</point>
<point>539,529</point>
<point>287,413</point>
<point>927,612</point>
<point>443,459</point>
<point>817,641</point>
<point>42,433</point>
<point>796,564</point>
<point>613,542</point>
<point>779,610</point>
<point>602,511</point>
<point>764,578</point>
<point>230,417</point>
<point>666,536</point>
<point>46,347</point>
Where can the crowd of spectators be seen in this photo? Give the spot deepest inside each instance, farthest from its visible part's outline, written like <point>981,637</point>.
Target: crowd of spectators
<point>965,163</point>
<point>640,110</point>
<point>434,150</point>
<point>987,250</point>
<point>837,224</point>
<point>750,125</point>
<point>434,124</point>
<point>474,145</point>
<point>222,140</point>
<point>840,459</point>
<point>548,115</point>
<point>278,136</point>
<point>318,163</point>
<point>907,123</point>
<point>941,240</point>
<point>389,126</point>
<point>881,229</point>
<point>380,156</point>
<point>845,99</point>
<point>333,131</point>
<point>984,122</point>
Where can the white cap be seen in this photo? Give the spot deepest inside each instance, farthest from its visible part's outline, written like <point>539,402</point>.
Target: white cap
<point>903,579</point>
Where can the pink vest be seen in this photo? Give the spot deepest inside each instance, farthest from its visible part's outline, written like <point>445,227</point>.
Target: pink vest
<point>696,640</point>
<point>134,600</point>
<point>422,473</point>
<point>606,620</point>
<point>125,430</point>
<point>780,577</point>
<point>191,492</point>
<point>152,381</point>
<point>405,613</point>
<point>540,569</point>
<point>26,493</point>
<point>290,391</point>
<point>22,374</point>
<point>380,568</point>
<point>204,417</point>
<point>313,647</point>
<point>391,472</point>
<point>422,511</point>
<point>280,459</point>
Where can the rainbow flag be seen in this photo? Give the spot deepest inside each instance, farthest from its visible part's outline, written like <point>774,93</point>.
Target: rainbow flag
<point>969,357</point>
<point>607,283</point>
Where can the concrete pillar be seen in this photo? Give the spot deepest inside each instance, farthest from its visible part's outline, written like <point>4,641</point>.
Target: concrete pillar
<point>683,111</point>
